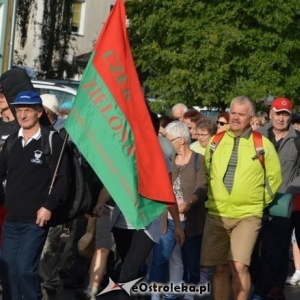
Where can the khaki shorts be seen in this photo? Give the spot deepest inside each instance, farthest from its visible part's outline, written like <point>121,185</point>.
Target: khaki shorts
<point>227,239</point>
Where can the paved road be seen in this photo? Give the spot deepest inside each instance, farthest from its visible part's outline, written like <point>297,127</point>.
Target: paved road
<point>292,293</point>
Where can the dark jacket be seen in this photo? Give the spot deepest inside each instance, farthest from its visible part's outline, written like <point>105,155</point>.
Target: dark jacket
<point>29,176</point>
<point>289,159</point>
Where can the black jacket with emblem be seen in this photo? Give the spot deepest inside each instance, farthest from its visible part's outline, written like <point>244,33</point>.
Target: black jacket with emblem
<point>28,179</point>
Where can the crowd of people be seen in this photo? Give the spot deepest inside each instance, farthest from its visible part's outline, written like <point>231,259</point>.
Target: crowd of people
<point>225,175</point>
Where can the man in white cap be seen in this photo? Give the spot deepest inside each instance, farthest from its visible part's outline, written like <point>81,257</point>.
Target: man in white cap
<point>272,268</point>
<point>51,106</point>
<point>178,111</point>
<point>48,267</point>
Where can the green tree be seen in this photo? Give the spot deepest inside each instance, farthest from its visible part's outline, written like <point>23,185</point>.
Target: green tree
<point>207,52</point>
<point>56,36</point>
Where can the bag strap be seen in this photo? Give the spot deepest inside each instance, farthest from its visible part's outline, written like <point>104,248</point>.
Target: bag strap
<point>214,144</point>
<point>216,140</point>
<point>196,157</point>
<point>47,144</point>
<point>297,141</point>
<point>260,152</point>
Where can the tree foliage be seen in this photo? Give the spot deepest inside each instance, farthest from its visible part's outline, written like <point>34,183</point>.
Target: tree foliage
<point>207,52</point>
<point>23,13</point>
<point>56,31</point>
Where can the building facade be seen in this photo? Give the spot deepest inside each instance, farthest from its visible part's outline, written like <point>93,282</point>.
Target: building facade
<point>88,19</point>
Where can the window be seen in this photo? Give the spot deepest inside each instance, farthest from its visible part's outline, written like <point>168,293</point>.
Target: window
<point>78,17</point>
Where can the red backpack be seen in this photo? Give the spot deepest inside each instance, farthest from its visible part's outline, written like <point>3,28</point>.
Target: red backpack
<point>257,138</point>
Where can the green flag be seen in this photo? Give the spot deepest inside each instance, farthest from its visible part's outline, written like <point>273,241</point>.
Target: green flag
<point>111,126</point>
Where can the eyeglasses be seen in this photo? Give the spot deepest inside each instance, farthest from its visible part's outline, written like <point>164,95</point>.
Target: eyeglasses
<point>202,134</point>
<point>175,139</point>
<point>221,123</point>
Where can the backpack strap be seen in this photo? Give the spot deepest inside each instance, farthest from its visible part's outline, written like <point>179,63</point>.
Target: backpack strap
<point>297,144</point>
<point>297,141</point>
<point>257,138</point>
<point>196,158</point>
<point>213,146</point>
<point>46,140</point>
<point>260,154</point>
<point>216,140</point>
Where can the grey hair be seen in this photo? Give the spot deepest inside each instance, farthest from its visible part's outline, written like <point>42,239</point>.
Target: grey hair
<point>244,100</point>
<point>178,129</point>
<point>180,105</point>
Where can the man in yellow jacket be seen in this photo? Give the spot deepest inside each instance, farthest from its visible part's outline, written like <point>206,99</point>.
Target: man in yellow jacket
<point>239,190</point>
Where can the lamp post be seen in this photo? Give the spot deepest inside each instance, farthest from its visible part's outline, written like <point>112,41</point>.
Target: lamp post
<point>9,35</point>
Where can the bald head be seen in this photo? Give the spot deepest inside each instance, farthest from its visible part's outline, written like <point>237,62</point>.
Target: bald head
<point>178,111</point>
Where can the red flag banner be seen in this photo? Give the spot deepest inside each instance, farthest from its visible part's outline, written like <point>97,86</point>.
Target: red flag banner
<point>111,125</point>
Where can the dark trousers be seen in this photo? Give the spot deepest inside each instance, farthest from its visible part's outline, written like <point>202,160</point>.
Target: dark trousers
<point>270,261</point>
<point>80,264</point>
<point>133,247</point>
<point>22,245</point>
<point>190,251</point>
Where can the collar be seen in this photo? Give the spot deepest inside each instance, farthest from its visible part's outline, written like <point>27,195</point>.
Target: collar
<point>268,129</point>
<point>246,134</point>
<point>36,136</point>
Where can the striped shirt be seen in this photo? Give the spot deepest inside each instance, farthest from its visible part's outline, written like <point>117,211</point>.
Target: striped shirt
<point>229,175</point>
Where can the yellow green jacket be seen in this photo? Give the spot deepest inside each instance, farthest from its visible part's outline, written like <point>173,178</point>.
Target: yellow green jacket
<point>249,194</point>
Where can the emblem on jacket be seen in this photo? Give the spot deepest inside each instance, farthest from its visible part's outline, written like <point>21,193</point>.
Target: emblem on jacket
<point>37,157</point>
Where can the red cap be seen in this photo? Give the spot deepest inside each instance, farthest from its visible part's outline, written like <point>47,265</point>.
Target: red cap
<point>282,104</point>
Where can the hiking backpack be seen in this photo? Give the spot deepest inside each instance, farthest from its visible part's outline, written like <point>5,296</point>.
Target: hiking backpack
<point>84,184</point>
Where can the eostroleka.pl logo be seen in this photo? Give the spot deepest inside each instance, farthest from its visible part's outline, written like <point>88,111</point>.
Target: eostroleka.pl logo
<point>138,287</point>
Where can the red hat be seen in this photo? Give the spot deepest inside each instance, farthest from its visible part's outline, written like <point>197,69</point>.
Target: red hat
<point>282,104</point>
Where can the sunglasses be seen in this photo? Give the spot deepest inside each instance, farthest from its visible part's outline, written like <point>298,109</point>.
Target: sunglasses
<point>221,123</point>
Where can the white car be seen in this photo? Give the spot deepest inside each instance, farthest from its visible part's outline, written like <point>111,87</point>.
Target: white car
<point>64,94</point>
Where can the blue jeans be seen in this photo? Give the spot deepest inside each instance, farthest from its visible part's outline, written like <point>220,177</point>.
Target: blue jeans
<point>190,251</point>
<point>22,245</point>
<point>161,255</point>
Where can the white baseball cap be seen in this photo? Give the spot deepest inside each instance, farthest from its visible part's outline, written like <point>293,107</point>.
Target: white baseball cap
<point>50,101</point>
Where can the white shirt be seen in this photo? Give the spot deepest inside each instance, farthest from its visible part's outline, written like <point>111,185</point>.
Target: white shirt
<point>36,136</point>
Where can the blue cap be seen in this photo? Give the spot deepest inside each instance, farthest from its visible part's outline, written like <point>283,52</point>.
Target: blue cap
<point>27,98</point>
<point>66,105</point>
